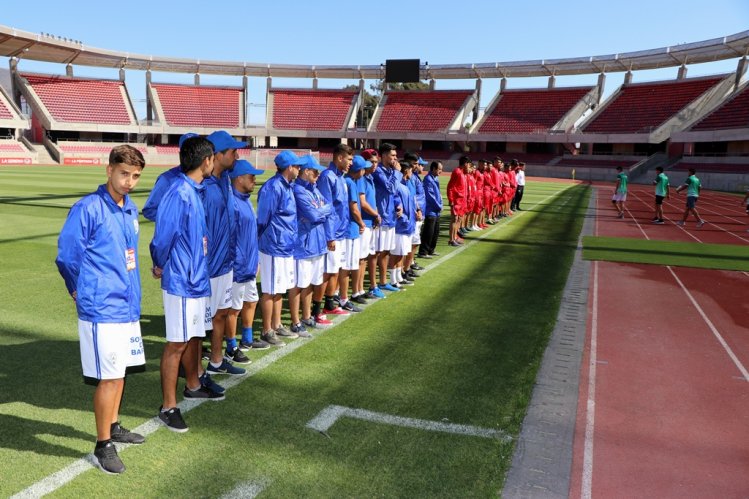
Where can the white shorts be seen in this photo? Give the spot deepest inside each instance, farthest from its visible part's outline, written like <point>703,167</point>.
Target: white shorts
<point>243,292</point>
<point>402,244</point>
<point>277,273</point>
<point>309,271</point>
<point>185,318</point>
<point>366,243</point>
<point>385,239</point>
<point>416,238</point>
<point>350,254</point>
<point>619,197</point>
<point>334,259</point>
<point>220,296</point>
<point>108,349</point>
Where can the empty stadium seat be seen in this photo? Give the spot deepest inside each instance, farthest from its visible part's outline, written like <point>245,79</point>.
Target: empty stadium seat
<point>596,162</point>
<point>708,166</point>
<point>11,146</point>
<point>317,109</point>
<point>93,148</point>
<point>200,106</point>
<point>731,114</point>
<point>421,111</point>
<point>5,112</point>
<point>531,110</point>
<point>81,100</point>
<point>643,107</point>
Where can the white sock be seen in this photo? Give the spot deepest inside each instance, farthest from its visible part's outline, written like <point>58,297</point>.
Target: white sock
<point>394,276</point>
<point>399,273</point>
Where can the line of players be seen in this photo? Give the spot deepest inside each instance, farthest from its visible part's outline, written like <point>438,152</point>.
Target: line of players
<point>316,233</point>
<point>479,196</point>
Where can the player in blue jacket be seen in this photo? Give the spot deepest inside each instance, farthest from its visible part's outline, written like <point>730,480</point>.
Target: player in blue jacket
<point>98,259</point>
<point>219,214</point>
<point>404,226</point>
<point>179,251</point>
<point>162,185</point>
<point>333,188</point>
<point>244,296</point>
<point>386,180</point>
<point>371,218</point>
<point>310,248</point>
<point>353,246</point>
<point>431,229</point>
<point>277,228</point>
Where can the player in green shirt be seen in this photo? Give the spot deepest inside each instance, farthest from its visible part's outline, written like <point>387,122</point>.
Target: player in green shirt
<point>661,193</point>
<point>620,192</point>
<point>692,185</point>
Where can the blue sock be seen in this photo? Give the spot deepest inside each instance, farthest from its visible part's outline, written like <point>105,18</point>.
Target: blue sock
<point>231,344</point>
<point>247,334</point>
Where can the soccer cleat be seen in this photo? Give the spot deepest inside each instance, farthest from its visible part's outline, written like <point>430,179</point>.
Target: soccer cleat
<point>124,436</point>
<point>207,381</point>
<point>285,333</point>
<point>226,367</point>
<point>360,299</point>
<point>700,223</point>
<point>173,420</point>
<point>203,393</point>
<point>350,307</point>
<point>300,331</point>
<point>335,311</point>
<point>271,338</point>
<point>237,356</point>
<point>389,287</point>
<point>108,460</point>
<point>322,321</point>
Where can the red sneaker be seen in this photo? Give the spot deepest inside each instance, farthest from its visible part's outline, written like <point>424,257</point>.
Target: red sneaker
<point>335,311</point>
<point>322,321</point>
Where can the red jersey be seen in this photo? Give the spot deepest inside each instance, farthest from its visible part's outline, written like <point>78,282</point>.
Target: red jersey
<point>456,187</point>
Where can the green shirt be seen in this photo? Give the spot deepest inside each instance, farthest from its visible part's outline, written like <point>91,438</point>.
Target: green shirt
<point>693,186</point>
<point>661,184</point>
<point>622,189</point>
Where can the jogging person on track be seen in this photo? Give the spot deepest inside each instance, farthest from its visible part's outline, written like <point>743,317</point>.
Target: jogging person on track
<point>692,185</point>
<point>661,193</point>
<point>620,192</point>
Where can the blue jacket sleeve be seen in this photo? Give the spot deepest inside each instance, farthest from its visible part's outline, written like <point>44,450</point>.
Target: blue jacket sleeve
<point>308,211</point>
<point>324,185</point>
<point>266,206</point>
<point>169,220</point>
<point>71,245</point>
<point>382,181</point>
<point>152,203</point>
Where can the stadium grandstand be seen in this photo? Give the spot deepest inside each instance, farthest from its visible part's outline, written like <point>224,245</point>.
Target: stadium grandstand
<point>558,131</point>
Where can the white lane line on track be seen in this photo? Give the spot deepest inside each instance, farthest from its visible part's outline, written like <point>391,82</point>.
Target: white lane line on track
<point>56,480</point>
<point>590,406</point>
<point>328,416</point>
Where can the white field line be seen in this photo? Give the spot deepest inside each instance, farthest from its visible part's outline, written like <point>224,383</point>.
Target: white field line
<point>590,408</point>
<point>56,480</point>
<point>328,416</point>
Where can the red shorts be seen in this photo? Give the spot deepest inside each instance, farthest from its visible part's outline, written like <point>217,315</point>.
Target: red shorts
<point>478,205</point>
<point>488,198</point>
<point>458,210</point>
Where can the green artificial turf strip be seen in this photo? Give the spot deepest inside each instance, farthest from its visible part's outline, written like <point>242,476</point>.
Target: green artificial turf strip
<point>463,346</point>
<point>682,254</point>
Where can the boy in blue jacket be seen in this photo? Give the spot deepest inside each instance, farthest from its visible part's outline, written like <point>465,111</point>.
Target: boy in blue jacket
<point>179,251</point>
<point>98,259</point>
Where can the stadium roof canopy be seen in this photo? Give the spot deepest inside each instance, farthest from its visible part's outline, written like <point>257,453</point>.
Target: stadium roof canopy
<point>48,48</point>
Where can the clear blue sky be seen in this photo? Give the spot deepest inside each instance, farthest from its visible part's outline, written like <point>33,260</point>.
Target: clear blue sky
<point>340,32</point>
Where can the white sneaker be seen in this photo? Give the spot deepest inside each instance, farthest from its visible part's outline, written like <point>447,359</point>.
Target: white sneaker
<point>680,223</point>
<point>700,223</point>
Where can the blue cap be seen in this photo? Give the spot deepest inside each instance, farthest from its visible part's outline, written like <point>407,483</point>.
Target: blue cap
<point>309,161</point>
<point>222,141</point>
<point>422,162</point>
<point>284,159</point>
<point>359,163</point>
<point>186,136</point>
<point>244,167</point>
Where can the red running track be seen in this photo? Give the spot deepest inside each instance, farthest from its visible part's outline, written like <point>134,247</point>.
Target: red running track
<point>663,409</point>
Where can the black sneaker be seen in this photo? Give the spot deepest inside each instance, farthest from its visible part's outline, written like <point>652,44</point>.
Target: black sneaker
<point>203,393</point>
<point>408,277</point>
<point>207,381</point>
<point>108,460</point>
<point>406,282</point>
<point>416,266</point>
<point>237,356</point>
<point>361,299</point>
<point>173,420</point>
<point>350,307</point>
<point>425,256</point>
<point>412,274</point>
<point>434,253</point>
<point>125,436</point>
<point>255,345</point>
<point>300,330</point>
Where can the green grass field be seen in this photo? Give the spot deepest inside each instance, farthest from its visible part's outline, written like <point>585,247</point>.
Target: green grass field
<point>462,346</point>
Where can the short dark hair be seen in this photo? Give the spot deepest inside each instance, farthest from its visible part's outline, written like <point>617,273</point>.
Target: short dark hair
<point>464,160</point>
<point>128,155</point>
<point>409,156</point>
<point>342,149</point>
<point>522,163</point>
<point>406,165</point>
<point>385,148</point>
<point>618,168</point>
<point>659,169</point>
<point>434,166</point>
<point>193,152</point>
<point>692,171</point>
<point>497,158</point>
<point>514,162</point>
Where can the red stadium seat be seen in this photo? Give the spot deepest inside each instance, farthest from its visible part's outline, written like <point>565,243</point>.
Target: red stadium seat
<point>200,106</point>
<point>318,109</point>
<point>732,114</point>
<point>421,111</point>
